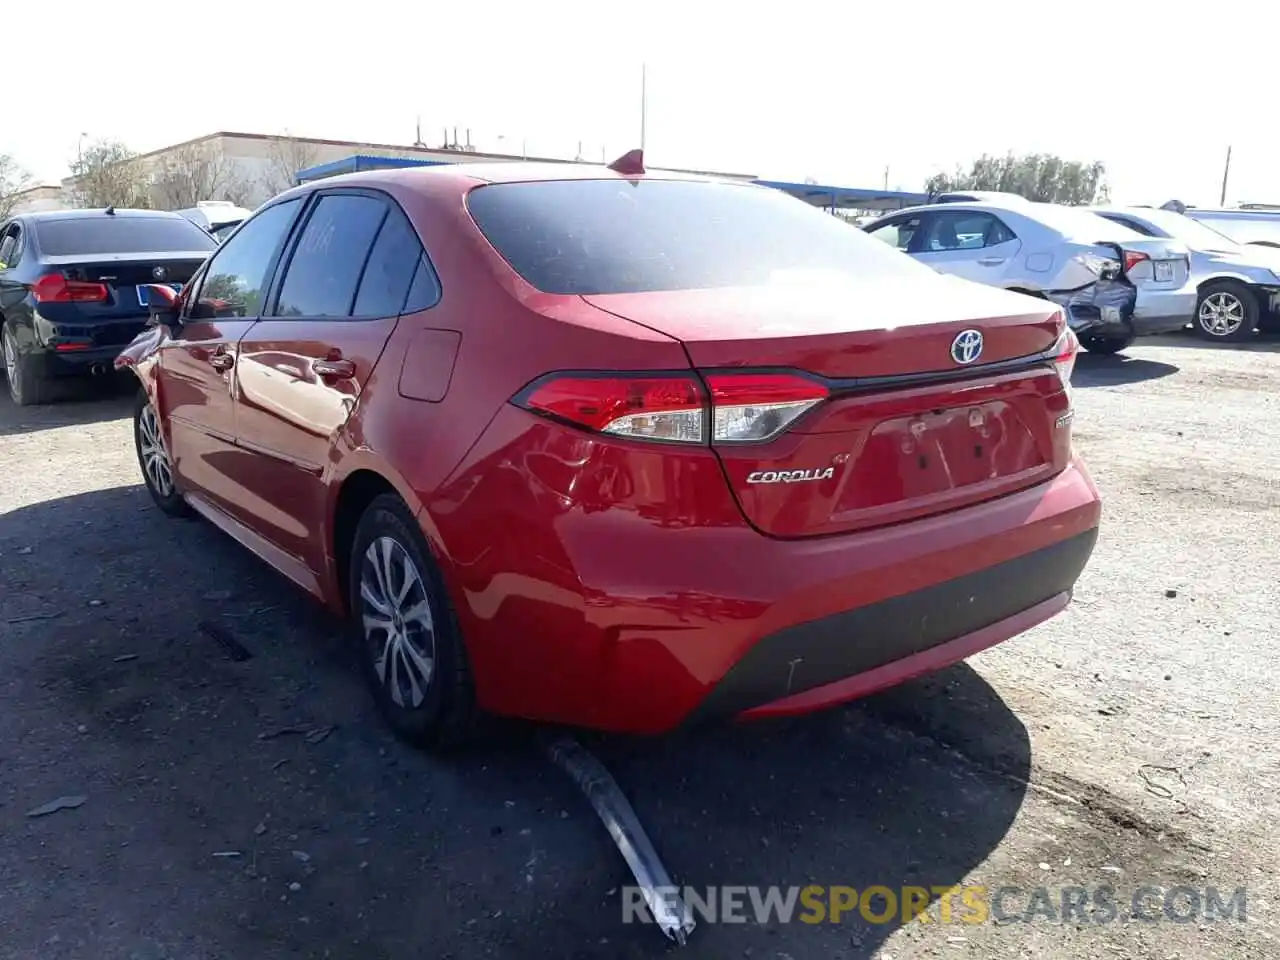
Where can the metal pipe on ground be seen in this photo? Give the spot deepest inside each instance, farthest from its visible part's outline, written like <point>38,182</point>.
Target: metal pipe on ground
<point>669,911</point>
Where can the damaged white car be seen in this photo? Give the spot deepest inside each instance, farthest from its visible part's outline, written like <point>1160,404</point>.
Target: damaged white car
<point>1114,283</point>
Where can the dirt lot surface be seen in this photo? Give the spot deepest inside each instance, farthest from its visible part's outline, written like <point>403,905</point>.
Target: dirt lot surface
<point>255,808</point>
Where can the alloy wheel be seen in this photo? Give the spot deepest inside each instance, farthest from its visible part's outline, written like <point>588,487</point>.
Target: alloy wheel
<point>151,451</point>
<point>396,618</point>
<point>1221,314</point>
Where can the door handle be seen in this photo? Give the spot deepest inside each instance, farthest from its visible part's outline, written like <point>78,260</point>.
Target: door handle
<point>338,368</point>
<point>991,261</point>
<point>222,361</point>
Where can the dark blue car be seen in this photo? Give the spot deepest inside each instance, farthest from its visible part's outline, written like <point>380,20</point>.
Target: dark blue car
<point>73,288</point>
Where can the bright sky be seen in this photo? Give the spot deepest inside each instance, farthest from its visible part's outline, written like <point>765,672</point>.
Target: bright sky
<point>833,91</point>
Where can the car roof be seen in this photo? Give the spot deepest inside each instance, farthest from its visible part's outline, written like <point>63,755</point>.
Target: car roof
<point>41,216</point>
<point>461,177</point>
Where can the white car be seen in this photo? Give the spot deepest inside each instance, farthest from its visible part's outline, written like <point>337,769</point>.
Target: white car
<point>1238,284</point>
<point>1114,283</point>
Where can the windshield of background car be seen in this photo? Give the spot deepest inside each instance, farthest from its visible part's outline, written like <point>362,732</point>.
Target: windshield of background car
<point>633,236</point>
<point>102,234</point>
<point>1195,235</point>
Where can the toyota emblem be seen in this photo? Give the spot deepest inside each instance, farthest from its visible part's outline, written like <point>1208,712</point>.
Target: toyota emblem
<point>159,273</point>
<point>967,347</point>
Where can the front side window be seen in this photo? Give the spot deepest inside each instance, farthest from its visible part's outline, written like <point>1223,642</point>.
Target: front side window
<point>897,234</point>
<point>631,236</point>
<point>235,280</point>
<point>324,269</point>
<point>964,231</point>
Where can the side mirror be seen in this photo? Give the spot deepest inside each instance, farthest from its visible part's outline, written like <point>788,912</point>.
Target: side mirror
<point>162,305</point>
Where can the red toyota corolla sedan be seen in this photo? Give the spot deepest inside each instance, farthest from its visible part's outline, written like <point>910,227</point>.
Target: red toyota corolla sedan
<point>616,449</point>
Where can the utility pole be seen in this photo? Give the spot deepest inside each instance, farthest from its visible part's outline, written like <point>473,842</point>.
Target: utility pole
<point>643,105</point>
<point>1222,202</point>
<point>886,178</point>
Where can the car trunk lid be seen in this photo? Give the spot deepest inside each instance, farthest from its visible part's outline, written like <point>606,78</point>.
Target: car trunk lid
<point>906,429</point>
<point>1156,264</point>
<point>121,279</point>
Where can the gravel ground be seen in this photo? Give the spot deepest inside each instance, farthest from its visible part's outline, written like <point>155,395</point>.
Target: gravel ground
<point>254,808</point>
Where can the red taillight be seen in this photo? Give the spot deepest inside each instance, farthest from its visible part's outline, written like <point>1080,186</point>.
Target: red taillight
<point>55,288</point>
<point>1064,357</point>
<point>742,407</point>
<point>1132,258</point>
<point>652,408</point>
<point>749,407</point>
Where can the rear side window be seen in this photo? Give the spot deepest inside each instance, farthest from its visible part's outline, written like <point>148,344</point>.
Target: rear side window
<point>329,258</point>
<point>425,291</point>
<point>389,272</point>
<point>630,236</point>
<point>103,234</point>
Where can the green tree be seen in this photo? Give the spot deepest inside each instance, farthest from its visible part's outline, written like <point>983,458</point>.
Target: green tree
<point>13,180</point>
<point>108,174</point>
<point>1035,176</point>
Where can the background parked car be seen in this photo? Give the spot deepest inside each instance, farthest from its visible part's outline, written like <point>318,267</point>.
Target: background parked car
<point>1115,283</point>
<point>1245,225</point>
<point>979,196</point>
<point>1238,284</point>
<point>73,288</point>
<point>219,217</point>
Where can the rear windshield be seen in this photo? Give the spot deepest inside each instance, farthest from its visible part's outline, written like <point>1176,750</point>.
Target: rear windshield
<point>1076,224</point>
<point>632,236</point>
<point>91,236</point>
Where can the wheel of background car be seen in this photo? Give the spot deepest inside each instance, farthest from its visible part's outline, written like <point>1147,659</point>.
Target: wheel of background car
<point>1106,344</point>
<point>153,459</point>
<point>1226,311</point>
<point>410,647</point>
<point>26,386</point>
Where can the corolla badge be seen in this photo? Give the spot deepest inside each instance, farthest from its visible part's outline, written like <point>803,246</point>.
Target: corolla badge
<point>159,273</point>
<point>967,346</point>
<point>790,476</point>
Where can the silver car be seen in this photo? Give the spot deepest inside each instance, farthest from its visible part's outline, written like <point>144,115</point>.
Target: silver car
<point>1238,284</point>
<point>1114,283</point>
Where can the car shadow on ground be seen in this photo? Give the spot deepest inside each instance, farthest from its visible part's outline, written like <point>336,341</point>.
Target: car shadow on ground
<point>79,402</point>
<point>256,807</point>
<point>1095,370</point>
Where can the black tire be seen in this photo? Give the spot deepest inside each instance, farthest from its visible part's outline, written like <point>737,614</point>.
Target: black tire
<point>27,387</point>
<point>446,716</point>
<point>1226,295</point>
<point>158,477</point>
<point>1105,344</point>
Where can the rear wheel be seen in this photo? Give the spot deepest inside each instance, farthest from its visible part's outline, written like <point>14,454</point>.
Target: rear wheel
<point>1106,343</point>
<point>26,385</point>
<point>153,458</point>
<point>410,647</point>
<point>1226,311</point>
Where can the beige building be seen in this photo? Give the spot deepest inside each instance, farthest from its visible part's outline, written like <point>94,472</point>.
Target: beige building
<point>249,168</point>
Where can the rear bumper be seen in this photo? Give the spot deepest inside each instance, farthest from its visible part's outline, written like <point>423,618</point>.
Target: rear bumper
<point>76,363</point>
<point>856,652</point>
<point>669,626</point>
<point>1164,311</point>
<point>78,349</point>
